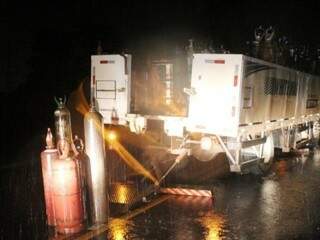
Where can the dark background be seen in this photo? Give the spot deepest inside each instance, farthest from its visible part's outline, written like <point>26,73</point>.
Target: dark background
<point>46,48</point>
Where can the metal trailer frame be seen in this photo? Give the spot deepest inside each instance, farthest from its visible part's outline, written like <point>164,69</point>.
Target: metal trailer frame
<point>247,105</point>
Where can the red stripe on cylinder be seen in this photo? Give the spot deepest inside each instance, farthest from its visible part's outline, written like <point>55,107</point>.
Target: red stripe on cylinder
<point>104,61</point>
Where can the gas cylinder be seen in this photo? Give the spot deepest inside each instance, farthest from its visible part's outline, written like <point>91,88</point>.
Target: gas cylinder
<point>49,155</point>
<point>62,122</point>
<point>83,165</point>
<point>66,195</point>
<point>95,149</point>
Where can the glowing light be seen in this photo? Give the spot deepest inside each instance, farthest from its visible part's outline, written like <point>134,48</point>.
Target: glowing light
<point>132,162</point>
<point>118,229</point>
<point>82,107</point>
<point>112,136</point>
<point>214,224</point>
<point>206,143</point>
<point>122,193</point>
<point>213,108</point>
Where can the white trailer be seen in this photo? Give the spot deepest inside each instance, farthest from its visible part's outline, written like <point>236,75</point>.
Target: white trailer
<point>112,77</point>
<point>237,104</point>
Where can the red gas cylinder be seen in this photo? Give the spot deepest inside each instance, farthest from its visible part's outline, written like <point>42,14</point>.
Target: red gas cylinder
<point>67,196</point>
<point>47,157</point>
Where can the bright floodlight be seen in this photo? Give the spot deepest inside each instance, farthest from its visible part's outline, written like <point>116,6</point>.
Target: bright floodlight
<point>112,136</point>
<point>206,143</point>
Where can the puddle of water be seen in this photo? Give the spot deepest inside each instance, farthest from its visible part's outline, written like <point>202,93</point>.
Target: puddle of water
<point>214,226</point>
<point>120,229</point>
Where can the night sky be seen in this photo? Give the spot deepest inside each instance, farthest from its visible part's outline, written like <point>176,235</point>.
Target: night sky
<point>46,48</point>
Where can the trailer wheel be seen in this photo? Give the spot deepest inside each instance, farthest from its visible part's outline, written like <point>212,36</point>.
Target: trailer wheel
<point>267,155</point>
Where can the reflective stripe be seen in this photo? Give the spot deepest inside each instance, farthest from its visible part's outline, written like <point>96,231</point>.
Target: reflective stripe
<point>235,81</point>
<point>188,192</point>
<point>219,61</point>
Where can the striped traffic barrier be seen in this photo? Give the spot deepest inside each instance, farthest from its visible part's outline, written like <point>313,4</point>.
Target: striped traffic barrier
<point>187,192</point>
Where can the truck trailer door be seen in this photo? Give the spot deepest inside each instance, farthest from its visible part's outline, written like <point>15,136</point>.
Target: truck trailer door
<point>112,76</point>
<point>214,102</point>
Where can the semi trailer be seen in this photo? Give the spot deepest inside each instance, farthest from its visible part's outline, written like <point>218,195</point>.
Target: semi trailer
<point>204,104</point>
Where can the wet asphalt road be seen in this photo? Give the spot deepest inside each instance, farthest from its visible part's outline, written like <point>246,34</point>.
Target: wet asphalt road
<point>282,205</point>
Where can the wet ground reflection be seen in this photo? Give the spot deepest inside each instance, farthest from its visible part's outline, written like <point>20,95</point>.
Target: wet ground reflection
<point>213,225</point>
<point>119,229</point>
<point>282,205</point>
